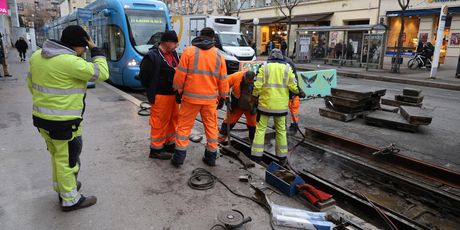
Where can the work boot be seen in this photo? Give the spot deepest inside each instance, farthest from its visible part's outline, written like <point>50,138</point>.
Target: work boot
<point>293,128</point>
<point>210,158</point>
<point>282,161</point>
<point>170,148</point>
<point>252,133</point>
<point>178,158</point>
<point>159,154</point>
<point>256,159</point>
<point>84,202</point>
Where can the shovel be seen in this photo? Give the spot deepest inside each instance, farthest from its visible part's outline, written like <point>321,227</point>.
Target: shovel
<point>229,150</point>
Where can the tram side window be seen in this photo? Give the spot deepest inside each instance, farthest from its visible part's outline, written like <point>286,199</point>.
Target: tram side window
<point>116,43</point>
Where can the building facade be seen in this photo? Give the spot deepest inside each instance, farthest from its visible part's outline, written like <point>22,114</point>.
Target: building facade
<point>421,22</point>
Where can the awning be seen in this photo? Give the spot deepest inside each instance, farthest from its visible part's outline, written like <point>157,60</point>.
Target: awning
<point>262,21</point>
<point>298,19</point>
<point>421,12</point>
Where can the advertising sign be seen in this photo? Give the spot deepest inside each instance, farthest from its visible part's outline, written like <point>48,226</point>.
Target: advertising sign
<point>373,44</point>
<point>84,14</point>
<point>3,7</point>
<point>455,39</point>
<point>320,82</point>
<point>439,38</point>
<point>250,65</point>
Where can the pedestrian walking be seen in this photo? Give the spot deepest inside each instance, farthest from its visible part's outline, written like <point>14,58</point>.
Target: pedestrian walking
<point>350,50</point>
<point>199,80</point>
<point>338,50</point>
<point>272,86</point>
<point>283,47</point>
<point>157,73</point>
<point>3,58</point>
<point>21,46</point>
<point>241,84</point>
<point>57,80</point>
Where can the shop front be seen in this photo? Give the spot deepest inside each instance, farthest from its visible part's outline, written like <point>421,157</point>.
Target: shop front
<point>420,27</point>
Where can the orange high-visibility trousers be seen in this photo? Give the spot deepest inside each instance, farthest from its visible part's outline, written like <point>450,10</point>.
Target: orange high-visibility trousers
<point>187,115</point>
<point>294,105</point>
<point>163,121</point>
<point>235,115</point>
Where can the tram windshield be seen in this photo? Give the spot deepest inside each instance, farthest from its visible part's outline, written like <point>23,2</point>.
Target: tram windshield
<point>145,28</point>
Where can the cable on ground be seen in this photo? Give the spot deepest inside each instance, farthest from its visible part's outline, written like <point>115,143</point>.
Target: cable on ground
<point>144,108</point>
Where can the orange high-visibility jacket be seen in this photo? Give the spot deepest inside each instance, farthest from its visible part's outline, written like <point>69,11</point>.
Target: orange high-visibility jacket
<point>201,76</point>
<point>234,82</point>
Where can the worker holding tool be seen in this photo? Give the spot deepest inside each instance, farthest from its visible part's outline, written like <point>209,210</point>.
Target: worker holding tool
<point>272,86</point>
<point>242,102</point>
<point>157,73</point>
<point>199,80</point>
<point>57,80</point>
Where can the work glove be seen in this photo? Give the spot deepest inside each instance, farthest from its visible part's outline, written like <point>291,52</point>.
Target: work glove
<point>302,93</point>
<point>220,105</point>
<point>178,97</point>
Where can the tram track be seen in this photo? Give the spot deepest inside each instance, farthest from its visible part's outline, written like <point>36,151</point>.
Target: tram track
<point>409,199</point>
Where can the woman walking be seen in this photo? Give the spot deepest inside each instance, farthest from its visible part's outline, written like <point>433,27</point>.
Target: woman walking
<point>21,46</point>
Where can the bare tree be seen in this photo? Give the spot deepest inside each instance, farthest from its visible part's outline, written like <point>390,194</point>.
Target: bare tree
<point>289,5</point>
<point>193,6</point>
<point>404,4</point>
<point>228,6</point>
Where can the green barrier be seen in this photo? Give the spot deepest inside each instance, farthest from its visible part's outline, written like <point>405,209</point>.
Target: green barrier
<point>317,83</point>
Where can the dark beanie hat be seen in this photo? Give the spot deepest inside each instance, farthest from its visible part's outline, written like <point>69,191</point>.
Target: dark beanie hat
<point>74,36</point>
<point>169,36</point>
<point>207,32</point>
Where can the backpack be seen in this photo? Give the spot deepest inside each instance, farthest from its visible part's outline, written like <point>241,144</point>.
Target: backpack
<point>246,101</point>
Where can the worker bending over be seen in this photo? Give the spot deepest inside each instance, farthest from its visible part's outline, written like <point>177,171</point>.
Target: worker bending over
<point>273,83</point>
<point>199,80</point>
<point>242,102</point>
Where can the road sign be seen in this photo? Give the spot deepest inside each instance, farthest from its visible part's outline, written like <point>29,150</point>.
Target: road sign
<point>84,14</point>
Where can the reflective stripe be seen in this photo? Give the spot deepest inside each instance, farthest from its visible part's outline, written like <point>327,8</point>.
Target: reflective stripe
<point>180,137</point>
<point>183,69</point>
<point>209,149</point>
<point>200,95</point>
<point>170,134</point>
<point>67,203</point>
<point>157,139</point>
<point>196,58</point>
<point>295,115</point>
<point>286,72</point>
<point>204,72</point>
<point>181,148</point>
<point>96,74</point>
<point>257,154</point>
<point>57,112</point>
<point>283,147</point>
<point>177,86</point>
<point>156,147</point>
<point>170,142</point>
<point>266,71</point>
<point>216,69</point>
<point>96,57</point>
<point>212,140</point>
<point>281,86</point>
<point>224,94</point>
<point>272,110</point>
<point>57,91</point>
<point>223,77</point>
<point>259,79</point>
<point>70,194</point>
<point>261,146</point>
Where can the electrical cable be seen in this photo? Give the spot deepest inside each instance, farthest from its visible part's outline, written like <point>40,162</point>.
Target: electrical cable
<point>144,109</point>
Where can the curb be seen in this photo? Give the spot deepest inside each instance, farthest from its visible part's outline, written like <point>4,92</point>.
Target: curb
<point>395,80</point>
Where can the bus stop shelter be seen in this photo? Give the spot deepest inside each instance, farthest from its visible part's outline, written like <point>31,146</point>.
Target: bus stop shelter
<point>349,45</point>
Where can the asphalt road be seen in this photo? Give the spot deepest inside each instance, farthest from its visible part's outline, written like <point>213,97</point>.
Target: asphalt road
<point>437,143</point>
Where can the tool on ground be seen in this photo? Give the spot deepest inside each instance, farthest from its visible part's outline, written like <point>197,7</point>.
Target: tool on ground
<point>232,220</point>
<point>391,149</point>
<point>229,150</point>
<point>245,178</point>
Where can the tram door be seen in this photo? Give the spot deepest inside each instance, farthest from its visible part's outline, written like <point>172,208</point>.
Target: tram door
<point>196,24</point>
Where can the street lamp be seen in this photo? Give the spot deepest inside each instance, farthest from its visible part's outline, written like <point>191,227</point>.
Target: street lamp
<point>255,21</point>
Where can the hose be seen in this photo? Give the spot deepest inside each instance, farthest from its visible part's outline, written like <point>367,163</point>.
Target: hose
<point>144,109</point>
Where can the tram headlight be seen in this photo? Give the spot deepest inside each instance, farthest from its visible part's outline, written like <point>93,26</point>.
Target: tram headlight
<point>133,63</point>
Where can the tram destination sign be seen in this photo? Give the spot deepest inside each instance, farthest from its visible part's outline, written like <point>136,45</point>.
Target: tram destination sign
<point>84,14</point>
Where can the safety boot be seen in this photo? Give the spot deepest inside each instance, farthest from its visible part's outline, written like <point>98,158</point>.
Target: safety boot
<point>256,159</point>
<point>159,154</point>
<point>210,158</point>
<point>84,202</point>
<point>293,128</point>
<point>178,158</point>
<point>170,148</point>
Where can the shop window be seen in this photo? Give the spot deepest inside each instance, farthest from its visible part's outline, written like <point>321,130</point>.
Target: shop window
<point>410,36</point>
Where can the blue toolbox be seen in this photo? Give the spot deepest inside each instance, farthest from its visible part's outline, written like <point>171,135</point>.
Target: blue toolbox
<point>288,188</point>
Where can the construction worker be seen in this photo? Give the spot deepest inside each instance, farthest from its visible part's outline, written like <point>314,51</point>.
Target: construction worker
<point>241,83</point>
<point>199,80</point>
<point>272,86</point>
<point>294,101</point>
<point>57,80</point>
<point>157,73</point>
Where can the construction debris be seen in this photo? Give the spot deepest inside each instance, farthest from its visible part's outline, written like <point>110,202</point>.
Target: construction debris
<point>348,103</point>
<point>390,120</point>
<point>410,97</point>
<point>416,116</point>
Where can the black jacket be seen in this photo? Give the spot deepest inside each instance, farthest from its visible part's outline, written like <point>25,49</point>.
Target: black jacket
<point>21,45</point>
<point>156,74</point>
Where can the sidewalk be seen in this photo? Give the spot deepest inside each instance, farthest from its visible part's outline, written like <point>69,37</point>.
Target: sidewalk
<point>134,192</point>
<point>445,78</point>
